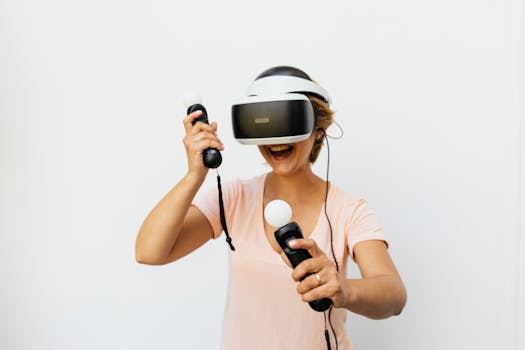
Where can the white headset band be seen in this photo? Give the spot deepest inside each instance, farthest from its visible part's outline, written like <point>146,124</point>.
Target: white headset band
<point>270,98</point>
<point>281,84</point>
<point>274,140</point>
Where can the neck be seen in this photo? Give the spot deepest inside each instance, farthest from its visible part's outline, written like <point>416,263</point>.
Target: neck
<point>291,188</point>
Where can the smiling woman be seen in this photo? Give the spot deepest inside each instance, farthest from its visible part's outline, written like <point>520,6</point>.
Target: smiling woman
<point>267,303</point>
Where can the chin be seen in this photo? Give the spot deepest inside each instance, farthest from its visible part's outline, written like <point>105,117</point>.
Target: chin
<point>282,171</point>
<point>286,169</point>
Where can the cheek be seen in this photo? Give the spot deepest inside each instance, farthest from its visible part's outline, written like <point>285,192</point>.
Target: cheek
<point>263,152</point>
<point>307,149</point>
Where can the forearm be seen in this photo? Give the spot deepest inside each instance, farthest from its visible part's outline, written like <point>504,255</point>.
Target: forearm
<point>376,297</point>
<point>162,226</point>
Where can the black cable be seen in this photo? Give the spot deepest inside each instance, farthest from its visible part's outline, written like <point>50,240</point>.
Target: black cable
<point>340,129</point>
<point>326,335</point>
<point>325,204</point>
<point>332,327</point>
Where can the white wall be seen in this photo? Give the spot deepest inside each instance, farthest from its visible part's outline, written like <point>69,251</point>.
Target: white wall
<point>90,139</point>
<point>521,246</point>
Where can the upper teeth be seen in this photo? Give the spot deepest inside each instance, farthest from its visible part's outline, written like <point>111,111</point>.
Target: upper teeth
<point>279,148</point>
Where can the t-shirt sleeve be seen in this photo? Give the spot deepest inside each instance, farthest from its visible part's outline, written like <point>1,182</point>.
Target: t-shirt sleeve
<point>207,201</point>
<point>363,225</point>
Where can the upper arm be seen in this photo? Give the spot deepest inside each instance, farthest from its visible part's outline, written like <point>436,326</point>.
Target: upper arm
<point>195,231</point>
<point>373,259</point>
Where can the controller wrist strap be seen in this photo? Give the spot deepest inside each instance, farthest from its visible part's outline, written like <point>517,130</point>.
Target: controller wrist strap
<point>223,217</point>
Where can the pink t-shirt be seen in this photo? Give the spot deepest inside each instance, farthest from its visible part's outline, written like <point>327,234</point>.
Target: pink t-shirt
<point>263,309</point>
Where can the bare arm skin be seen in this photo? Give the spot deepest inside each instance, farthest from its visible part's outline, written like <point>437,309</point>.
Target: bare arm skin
<point>379,294</point>
<point>174,227</point>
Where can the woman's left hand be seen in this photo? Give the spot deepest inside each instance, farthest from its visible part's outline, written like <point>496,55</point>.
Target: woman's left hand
<point>324,281</point>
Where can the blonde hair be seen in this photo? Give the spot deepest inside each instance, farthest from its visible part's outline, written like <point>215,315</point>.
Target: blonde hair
<point>325,117</point>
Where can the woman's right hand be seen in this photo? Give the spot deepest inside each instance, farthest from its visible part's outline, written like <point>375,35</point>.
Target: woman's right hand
<point>198,138</point>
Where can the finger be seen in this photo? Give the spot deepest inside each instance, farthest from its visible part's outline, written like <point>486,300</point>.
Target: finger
<point>200,126</point>
<point>323,291</point>
<point>312,265</point>
<point>202,136</point>
<point>205,144</point>
<point>188,121</point>
<point>311,282</point>
<point>306,243</point>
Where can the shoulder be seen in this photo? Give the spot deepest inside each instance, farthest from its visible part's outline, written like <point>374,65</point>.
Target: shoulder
<point>252,182</point>
<point>239,188</point>
<point>347,206</point>
<point>343,200</point>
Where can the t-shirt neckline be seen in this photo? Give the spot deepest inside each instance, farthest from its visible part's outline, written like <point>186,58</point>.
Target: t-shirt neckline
<point>260,203</point>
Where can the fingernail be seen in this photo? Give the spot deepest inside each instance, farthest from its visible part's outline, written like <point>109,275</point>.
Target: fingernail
<point>292,243</point>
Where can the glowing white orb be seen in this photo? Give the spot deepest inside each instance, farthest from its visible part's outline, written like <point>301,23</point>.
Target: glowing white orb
<point>191,98</point>
<point>278,213</point>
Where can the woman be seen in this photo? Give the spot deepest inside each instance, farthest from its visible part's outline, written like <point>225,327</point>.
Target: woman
<point>267,303</point>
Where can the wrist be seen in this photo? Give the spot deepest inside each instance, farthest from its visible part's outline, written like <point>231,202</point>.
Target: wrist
<point>194,179</point>
<point>352,293</point>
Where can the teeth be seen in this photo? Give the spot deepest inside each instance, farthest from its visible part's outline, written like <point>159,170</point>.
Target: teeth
<point>279,148</point>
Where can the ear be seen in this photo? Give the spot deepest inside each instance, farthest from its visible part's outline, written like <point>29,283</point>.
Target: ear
<point>319,134</point>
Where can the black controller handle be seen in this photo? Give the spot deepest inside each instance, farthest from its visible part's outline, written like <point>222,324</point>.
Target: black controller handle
<point>296,256</point>
<point>211,156</point>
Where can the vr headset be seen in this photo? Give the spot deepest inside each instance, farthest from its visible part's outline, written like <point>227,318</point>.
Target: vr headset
<point>277,109</point>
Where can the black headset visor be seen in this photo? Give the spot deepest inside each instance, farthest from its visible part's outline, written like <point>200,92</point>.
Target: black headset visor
<point>285,119</point>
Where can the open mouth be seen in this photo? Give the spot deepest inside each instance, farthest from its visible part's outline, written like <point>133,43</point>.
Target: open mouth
<point>280,151</point>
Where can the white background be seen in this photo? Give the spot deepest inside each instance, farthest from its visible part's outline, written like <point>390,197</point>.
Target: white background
<point>431,99</point>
